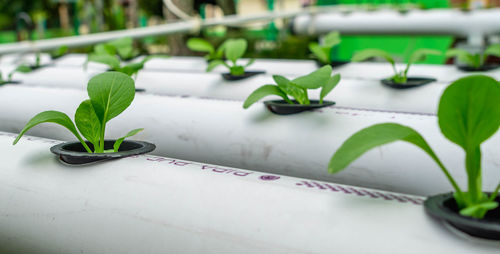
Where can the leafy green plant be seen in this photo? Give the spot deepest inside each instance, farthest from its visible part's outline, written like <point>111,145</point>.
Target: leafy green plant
<point>201,45</point>
<point>54,54</point>
<point>297,88</point>
<point>462,120</point>
<point>233,49</point>
<point>114,64</point>
<point>323,51</point>
<point>474,60</point>
<point>123,48</point>
<point>23,68</point>
<point>110,94</point>
<point>399,77</point>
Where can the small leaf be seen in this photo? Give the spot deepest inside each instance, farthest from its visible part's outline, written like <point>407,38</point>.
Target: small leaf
<point>112,61</point>
<point>88,123</point>
<point>332,39</point>
<point>493,50</point>
<point>250,62</point>
<point>110,93</point>
<point>237,70</point>
<point>421,54</point>
<point>104,49</point>
<point>370,53</point>
<point>213,64</point>
<point>318,51</point>
<point>290,89</point>
<point>469,112</point>
<point>119,141</point>
<point>23,69</point>
<point>479,210</point>
<point>462,55</point>
<point>314,79</point>
<point>131,69</point>
<point>201,45</point>
<point>52,117</point>
<point>328,87</point>
<point>235,49</point>
<point>373,136</point>
<point>264,91</point>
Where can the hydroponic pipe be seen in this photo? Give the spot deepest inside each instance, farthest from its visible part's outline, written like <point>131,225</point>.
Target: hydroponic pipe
<point>222,132</point>
<point>349,93</point>
<point>473,25</point>
<point>149,204</point>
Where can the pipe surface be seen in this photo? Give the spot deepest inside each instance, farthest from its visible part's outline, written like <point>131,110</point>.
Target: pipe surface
<point>221,132</point>
<point>149,204</point>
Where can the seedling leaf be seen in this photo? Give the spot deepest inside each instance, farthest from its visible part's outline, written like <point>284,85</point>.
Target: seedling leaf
<point>112,61</point>
<point>315,79</point>
<point>235,48</point>
<point>201,45</point>
<point>88,123</point>
<point>328,87</point>
<point>332,39</point>
<point>421,54</point>
<point>370,53</point>
<point>119,141</point>
<point>493,50</point>
<point>213,64</point>
<point>264,91</point>
<point>318,51</point>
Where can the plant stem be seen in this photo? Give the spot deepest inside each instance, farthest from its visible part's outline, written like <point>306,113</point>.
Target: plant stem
<point>473,165</point>
<point>495,193</point>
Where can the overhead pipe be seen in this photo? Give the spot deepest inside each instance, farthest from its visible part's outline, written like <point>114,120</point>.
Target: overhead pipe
<point>221,132</point>
<point>150,204</point>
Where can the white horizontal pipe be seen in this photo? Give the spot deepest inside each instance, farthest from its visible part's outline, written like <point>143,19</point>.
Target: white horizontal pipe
<point>221,132</point>
<point>149,204</point>
<point>427,22</point>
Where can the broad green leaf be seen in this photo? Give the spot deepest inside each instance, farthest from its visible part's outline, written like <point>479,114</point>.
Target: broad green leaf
<point>328,87</point>
<point>104,49</point>
<point>112,61</point>
<point>264,91</point>
<point>469,112</point>
<point>493,50</point>
<point>88,123</point>
<point>52,117</point>
<point>462,55</point>
<point>373,136</point>
<point>318,51</point>
<point>124,47</point>
<point>314,79</point>
<point>213,64</point>
<point>332,39</point>
<point>119,141</point>
<point>421,54</point>
<point>23,69</point>
<point>234,49</point>
<point>299,94</point>
<point>250,62</point>
<point>110,93</point>
<point>131,69</point>
<point>201,45</point>
<point>370,53</point>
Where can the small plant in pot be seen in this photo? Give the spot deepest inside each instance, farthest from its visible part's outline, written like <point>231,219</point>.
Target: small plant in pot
<point>110,93</point>
<point>298,90</point>
<point>123,48</point>
<point>8,79</point>
<point>323,51</point>
<point>201,45</point>
<point>234,49</point>
<point>475,62</point>
<point>468,114</point>
<point>400,79</point>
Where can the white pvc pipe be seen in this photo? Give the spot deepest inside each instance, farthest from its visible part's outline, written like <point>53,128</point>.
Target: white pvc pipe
<point>474,24</point>
<point>221,132</point>
<point>149,204</point>
<point>349,93</point>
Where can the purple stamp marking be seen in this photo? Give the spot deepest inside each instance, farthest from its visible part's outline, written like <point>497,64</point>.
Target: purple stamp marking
<point>269,177</point>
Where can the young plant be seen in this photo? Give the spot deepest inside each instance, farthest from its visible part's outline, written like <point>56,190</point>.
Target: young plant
<point>23,68</point>
<point>114,64</point>
<point>462,120</point>
<point>399,77</point>
<point>201,45</point>
<point>233,49</point>
<point>474,60</point>
<point>323,51</point>
<point>110,94</point>
<point>123,48</point>
<point>297,88</point>
<point>54,54</point>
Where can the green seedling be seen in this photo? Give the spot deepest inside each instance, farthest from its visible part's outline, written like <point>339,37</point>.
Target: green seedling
<point>234,49</point>
<point>201,45</point>
<point>297,88</point>
<point>462,120</point>
<point>323,51</point>
<point>23,68</point>
<point>57,53</point>
<point>399,77</point>
<point>474,60</point>
<point>123,48</point>
<point>114,64</point>
<point>110,94</point>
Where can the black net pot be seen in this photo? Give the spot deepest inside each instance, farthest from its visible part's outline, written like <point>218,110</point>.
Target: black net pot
<point>443,207</point>
<point>75,154</point>
<point>411,82</point>
<point>486,67</point>
<point>281,107</point>
<point>228,77</point>
<point>12,82</point>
